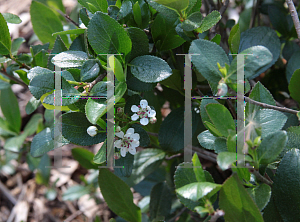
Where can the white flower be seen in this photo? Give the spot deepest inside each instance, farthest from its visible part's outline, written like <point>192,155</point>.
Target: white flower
<point>142,111</point>
<point>128,142</point>
<point>92,130</point>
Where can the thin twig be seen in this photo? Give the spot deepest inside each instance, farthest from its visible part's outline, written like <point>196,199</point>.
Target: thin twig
<point>173,156</point>
<point>68,18</point>
<point>294,15</point>
<point>98,79</point>
<point>177,215</point>
<point>17,80</point>
<point>264,105</point>
<point>224,7</point>
<point>22,65</point>
<point>73,216</point>
<point>262,178</point>
<point>217,214</point>
<point>7,193</point>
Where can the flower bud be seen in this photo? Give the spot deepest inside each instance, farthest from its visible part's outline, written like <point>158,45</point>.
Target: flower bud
<point>92,131</point>
<point>117,155</point>
<point>222,89</point>
<point>257,141</point>
<point>118,129</point>
<point>120,110</point>
<point>153,120</point>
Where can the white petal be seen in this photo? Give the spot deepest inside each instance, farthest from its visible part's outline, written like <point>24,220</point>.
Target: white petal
<point>120,134</point>
<point>130,131</point>
<point>118,143</point>
<point>144,121</point>
<point>135,136</point>
<point>132,151</point>
<point>144,103</point>
<point>123,151</point>
<point>151,113</point>
<point>134,117</point>
<point>134,108</point>
<point>134,143</point>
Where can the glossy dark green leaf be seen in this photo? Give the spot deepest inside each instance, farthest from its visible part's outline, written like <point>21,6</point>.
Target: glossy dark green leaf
<point>10,109</point>
<point>32,105</point>
<point>207,140</point>
<point>112,189</point>
<point>206,62</point>
<point>89,71</point>
<point>45,25</point>
<point>84,158</point>
<point>140,42</point>
<point>74,129</point>
<point>263,36</point>
<point>237,203</point>
<point>234,39</point>
<point>150,69</point>
<point>271,213</point>
<point>160,201</point>
<point>5,41</point>
<point>294,137</point>
<point>226,159</point>
<point>278,19</point>
<point>70,59</point>
<point>271,147</point>
<point>261,195</point>
<point>126,163</point>
<point>137,85</point>
<point>292,65</point>
<point>106,35</point>
<point>192,22</point>
<point>285,189</point>
<point>125,9</point>
<point>294,86</point>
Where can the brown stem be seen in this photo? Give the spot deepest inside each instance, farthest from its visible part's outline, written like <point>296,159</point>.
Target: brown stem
<point>17,80</point>
<point>264,105</point>
<point>216,215</point>
<point>98,79</point>
<point>294,15</point>
<point>68,18</point>
<point>224,7</point>
<point>262,178</point>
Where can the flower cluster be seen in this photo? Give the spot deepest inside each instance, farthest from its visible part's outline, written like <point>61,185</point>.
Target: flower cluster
<point>144,112</point>
<point>128,142</point>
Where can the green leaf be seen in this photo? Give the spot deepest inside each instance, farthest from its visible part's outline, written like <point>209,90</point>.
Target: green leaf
<point>58,47</point>
<point>171,132</point>
<point>293,133</point>
<point>198,190</point>
<point>270,121</point>
<point>4,84</point>
<point>140,42</point>
<point>216,39</point>
<point>260,194</point>
<point>75,192</point>
<point>127,164</point>
<point>70,59</point>
<point>45,25</point>
<point>292,65</point>
<point>212,129</point>
<point>84,158</point>
<point>107,36</point>
<point>259,58</point>
<point>11,18</point>
<point>112,189</point>
<point>5,41</point>
<point>71,31</point>
<point>209,21</point>
<point>160,201</point>
<point>206,62</point>
<point>278,20</point>
<point>43,142</point>
<point>290,47</point>
<point>89,70</point>
<point>150,69</point>
<point>207,140</point>
<point>116,66</point>
<point>135,84</point>
<point>137,14</point>
<point>226,159</point>
<point>285,189</point>
<point>125,9</point>
<point>145,162</point>
<point>10,109</point>
<point>271,147</point>
<point>14,144</point>
<point>263,36</point>
<point>177,5</point>
<point>100,156</point>
<point>271,212</point>
<point>199,173</point>
<point>174,81</point>
<point>32,125</point>
<point>237,203</point>
<point>74,129</point>
<point>234,39</point>
<point>194,6</point>
<point>221,118</point>
<point>184,176</point>
<point>16,45</point>
<point>261,94</point>
<point>95,108</point>
<point>294,86</point>
<point>164,34</point>
<point>203,113</point>
<point>192,22</point>
<point>99,5</point>
<point>144,137</point>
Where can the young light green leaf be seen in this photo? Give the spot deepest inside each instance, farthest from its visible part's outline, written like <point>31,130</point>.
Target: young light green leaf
<point>209,21</point>
<point>137,14</point>
<point>234,39</point>
<point>16,45</point>
<point>11,18</point>
<point>5,41</point>
<point>113,188</point>
<point>177,5</point>
<point>71,31</point>
<point>115,65</point>
<point>199,173</point>
<point>226,159</point>
<point>84,158</point>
